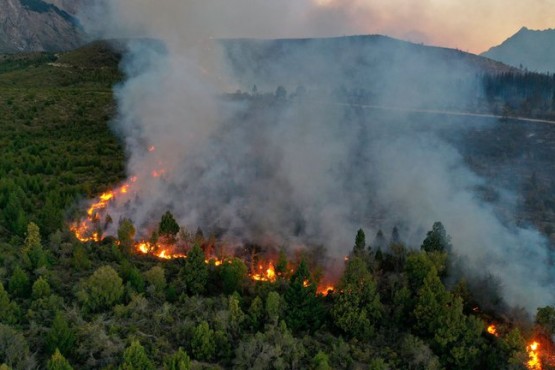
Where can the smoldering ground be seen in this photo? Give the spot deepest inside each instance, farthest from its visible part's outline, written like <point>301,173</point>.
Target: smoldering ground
<point>307,169</point>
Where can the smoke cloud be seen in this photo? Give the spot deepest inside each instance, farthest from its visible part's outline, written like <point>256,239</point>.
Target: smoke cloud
<point>307,171</point>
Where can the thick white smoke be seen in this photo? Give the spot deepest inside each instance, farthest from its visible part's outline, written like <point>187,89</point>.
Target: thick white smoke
<point>301,172</point>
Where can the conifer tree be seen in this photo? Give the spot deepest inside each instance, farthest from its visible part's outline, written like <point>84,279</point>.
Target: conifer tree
<point>19,284</point>
<point>60,336</point>
<point>304,310</point>
<point>437,239</point>
<point>135,358</point>
<point>178,361</point>
<point>194,273</point>
<point>203,346</point>
<point>8,309</point>
<point>360,243</point>
<point>58,362</point>
<point>168,227</point>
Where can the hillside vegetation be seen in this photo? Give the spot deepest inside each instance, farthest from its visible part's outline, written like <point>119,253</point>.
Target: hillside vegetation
<point>66,304</point>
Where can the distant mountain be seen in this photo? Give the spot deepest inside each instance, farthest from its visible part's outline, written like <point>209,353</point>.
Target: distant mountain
<point>533,50</point>
<point>35,25</point>
<point>372,69</point>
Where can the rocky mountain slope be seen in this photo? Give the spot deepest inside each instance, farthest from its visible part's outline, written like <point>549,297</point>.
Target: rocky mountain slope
<point>70,6</point>
<point>34,25</point>
<point>530,49</point>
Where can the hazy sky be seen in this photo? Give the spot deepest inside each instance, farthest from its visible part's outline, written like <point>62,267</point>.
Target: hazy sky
<point>470,25</point>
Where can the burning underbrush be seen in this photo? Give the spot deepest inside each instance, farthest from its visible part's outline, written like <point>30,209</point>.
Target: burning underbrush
<point>264,264</point>
<point>537,353</point>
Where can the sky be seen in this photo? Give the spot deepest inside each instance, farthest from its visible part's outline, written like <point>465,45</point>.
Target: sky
<point>470,25</point>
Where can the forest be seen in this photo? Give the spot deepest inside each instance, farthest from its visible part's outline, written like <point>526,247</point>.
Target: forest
<point>65,303</point>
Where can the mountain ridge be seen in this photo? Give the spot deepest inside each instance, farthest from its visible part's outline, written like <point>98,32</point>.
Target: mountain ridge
<point>533,50</point>
<point>35,25</point>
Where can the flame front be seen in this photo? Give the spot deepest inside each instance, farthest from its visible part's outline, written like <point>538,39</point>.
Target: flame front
<point>90,230</point>
<point>534,362</point>
<point>86,230</point>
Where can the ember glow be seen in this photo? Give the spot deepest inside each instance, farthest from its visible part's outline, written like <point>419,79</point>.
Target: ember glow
<point>534,362</point>
<point>492,330</point>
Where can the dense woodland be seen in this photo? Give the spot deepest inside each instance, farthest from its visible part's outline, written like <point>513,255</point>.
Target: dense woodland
<point>521,93</point>
<point>66,304</point>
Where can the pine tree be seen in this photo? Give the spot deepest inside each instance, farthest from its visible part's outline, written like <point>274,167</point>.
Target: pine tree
<point>281,264</point>
<point>19,284</point>
<point>236,315</point>
<point>168,227</point>
<point>273,308</point>
<point>126,233</point>
<point>256,314</point>
<point>194,273</point>
<point>437,239</point>
<point>41,288</point>
<point>203,346</point>
<point>58,362</point>
<point>395,236</point>
<point>178,361</point>
<point>14,214</point>
<point>135,358</point>
<point>380,243</point>
<point>60,336</point>
<point>8,310</point>
<point>360,243</point>
<point>321,361</point>
<point>304,310</point>
<point>32,239</point>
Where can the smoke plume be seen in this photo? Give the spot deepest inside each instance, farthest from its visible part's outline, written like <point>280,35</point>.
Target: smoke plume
<point>304,169</point>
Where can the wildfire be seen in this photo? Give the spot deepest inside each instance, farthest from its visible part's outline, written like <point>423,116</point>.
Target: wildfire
<point>492,329</point>
<point>265,271</point>
<point>82,232</point>
<point>85,229</point>
<point>325,290</point>
<point>534,362</point>
<point>265,275</point>
<point>159,251</point>
<point>90,230</point>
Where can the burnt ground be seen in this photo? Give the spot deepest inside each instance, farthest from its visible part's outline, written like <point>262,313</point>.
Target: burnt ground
<point>512,155</point>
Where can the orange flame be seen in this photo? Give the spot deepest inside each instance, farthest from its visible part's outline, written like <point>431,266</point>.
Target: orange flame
<point>83,230</point>
<point>325,290</point>
<point>492,330</point>
<point>268,275</point>
<point>534,362</point>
